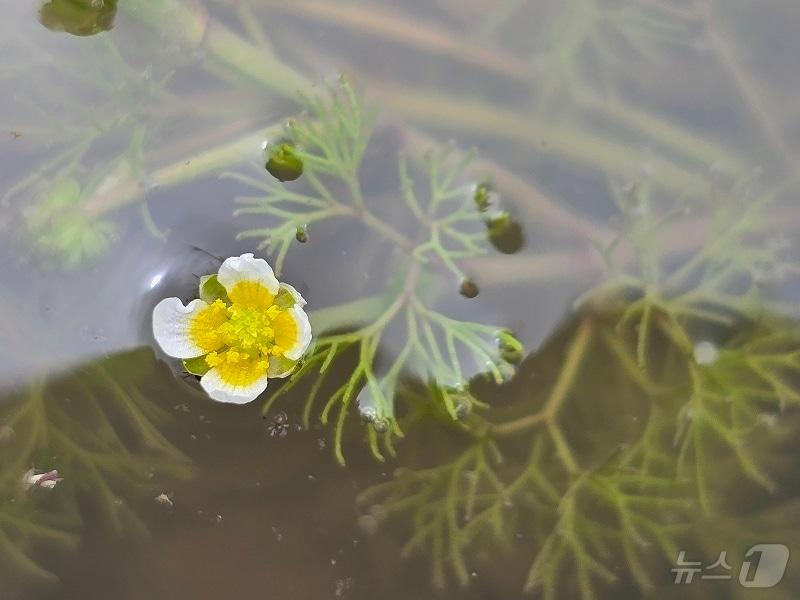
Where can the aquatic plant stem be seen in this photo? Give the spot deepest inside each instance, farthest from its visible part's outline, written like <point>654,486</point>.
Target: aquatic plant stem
<point>682,143</point>
<point>429,107</point>
<point>389,24</point>
<point>343,315</point>
<point>181,171</point>
<point>563,140</point>
<point>198,30</point>
<point>549,412</point>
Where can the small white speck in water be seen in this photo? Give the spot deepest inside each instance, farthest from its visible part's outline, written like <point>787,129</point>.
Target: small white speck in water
<point>705,353</point>
<point>164,500</point>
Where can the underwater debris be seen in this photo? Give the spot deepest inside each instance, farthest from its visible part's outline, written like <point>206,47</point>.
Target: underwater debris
<point>42,479</point>
<point>245,328</point>
<point>279,427</point>
<point>164,500</point>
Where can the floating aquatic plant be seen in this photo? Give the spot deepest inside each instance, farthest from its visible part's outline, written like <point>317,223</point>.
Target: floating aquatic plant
<point>448,228</point>
<point>244,329</point>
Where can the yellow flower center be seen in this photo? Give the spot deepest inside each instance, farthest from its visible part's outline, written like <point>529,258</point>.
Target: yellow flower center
<point>249,330</point>
<point>240,337</point>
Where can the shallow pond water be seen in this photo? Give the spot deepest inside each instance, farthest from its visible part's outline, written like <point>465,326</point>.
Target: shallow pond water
<point>549,253</point>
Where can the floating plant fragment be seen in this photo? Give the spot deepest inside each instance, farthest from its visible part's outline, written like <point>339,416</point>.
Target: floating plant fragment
<point>245,328</point>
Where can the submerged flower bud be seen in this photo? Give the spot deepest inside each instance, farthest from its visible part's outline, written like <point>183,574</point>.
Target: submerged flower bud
<point>468,289</point>
<point>283,163</point>
<point>504,233</point>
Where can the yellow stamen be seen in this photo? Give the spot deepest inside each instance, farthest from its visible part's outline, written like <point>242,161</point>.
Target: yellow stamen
<point>213,359</point>
<point>242,336</point>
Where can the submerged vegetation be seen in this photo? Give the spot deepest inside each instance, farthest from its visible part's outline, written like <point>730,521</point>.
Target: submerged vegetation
<point>99,427</point>
<point>627,458</point>
<point>669,389</point>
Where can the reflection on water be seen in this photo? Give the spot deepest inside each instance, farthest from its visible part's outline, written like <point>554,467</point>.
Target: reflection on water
<point>634,235</point>
<point>90,324</point>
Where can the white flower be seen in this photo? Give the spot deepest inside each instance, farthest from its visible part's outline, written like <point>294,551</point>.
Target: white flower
<point>245,328</point>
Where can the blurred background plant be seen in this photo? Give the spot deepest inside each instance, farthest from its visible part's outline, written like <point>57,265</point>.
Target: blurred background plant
<point>78,17</point>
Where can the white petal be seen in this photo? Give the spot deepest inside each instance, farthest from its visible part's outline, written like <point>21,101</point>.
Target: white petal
<point>303,333</point>
<point>298,299</point>
<point>221,391</point>
<point>247,268</point>
<point>280,366</point>
<point>171,322</point>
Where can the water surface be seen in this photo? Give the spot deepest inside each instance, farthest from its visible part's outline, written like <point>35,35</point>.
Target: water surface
<point>626,140</point>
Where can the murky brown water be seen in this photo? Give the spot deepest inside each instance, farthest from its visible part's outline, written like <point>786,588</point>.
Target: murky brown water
<point>647,156</point>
